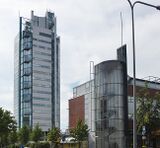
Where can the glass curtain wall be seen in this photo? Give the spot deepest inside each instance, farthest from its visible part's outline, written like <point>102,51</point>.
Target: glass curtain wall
<point>26,74</point>
<point>109,104</point>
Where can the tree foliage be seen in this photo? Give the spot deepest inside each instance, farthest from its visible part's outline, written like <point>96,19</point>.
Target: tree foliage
<point>148,110</point>
<point>80,132</point>
<point>54,135</point>
<point>7,125</point>
<point>36,133</point>
<point>23,134</point>
<point>13,137</point>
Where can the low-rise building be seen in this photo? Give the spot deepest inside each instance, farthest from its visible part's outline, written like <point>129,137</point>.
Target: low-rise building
<point>105,103</point>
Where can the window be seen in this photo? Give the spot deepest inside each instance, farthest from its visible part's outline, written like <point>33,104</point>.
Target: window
<point>45,34</point>
<point>41,99</point>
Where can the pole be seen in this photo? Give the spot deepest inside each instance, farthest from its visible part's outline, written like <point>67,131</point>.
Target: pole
<point>121,18</point>
<point>134,78</point>
<point>134,83</point>
<point>134,67</point>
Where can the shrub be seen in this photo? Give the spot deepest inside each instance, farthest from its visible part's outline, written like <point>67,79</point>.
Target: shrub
<point>39,145</point>
<point>13,146</point>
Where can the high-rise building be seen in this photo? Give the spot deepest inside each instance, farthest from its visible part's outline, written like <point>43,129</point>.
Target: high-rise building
<point>37,72</point>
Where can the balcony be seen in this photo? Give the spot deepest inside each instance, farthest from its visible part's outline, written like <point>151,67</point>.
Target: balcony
<point>27,58</point>
<point>26,33</point>
<point>26,85</point>
<point>27,113</point>
<point>27,71</point>
<point>26,119</point>
<point>27,45</point>
<point>26,97</point>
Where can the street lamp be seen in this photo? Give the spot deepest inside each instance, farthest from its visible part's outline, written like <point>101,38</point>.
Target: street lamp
<point>134,66</point>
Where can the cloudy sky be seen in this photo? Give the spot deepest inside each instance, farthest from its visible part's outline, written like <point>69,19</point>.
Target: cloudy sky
<point>90,31</point>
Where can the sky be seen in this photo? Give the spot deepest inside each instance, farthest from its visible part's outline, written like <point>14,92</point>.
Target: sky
<point>90,30</point>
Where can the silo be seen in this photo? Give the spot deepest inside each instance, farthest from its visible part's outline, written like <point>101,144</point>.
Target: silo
<point>111,104</point>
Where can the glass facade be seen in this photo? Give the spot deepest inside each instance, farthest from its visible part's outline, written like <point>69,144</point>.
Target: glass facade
<point>37,73</point>
<point>26,75</point>
<point>110,109</point>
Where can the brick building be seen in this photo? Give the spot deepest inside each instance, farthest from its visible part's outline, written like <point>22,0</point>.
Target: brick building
<point>76,111</point>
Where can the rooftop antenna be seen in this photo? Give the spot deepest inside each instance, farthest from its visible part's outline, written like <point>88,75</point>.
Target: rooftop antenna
<point>91,70</point>
<point>19,14</point>
<point>121,19</point>
<point>91,89</point>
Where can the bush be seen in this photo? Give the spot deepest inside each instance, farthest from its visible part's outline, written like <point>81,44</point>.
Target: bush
<point>45,145</point>
<point>13,146</point>
<point>39,145</point>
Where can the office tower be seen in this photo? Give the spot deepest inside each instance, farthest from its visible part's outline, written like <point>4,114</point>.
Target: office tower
<point>37,72</point>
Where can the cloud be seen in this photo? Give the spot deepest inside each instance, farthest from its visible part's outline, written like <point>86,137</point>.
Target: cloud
<point>89,31</point>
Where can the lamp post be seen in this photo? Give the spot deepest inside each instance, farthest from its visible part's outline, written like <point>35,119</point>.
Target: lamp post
<point>134,66</point>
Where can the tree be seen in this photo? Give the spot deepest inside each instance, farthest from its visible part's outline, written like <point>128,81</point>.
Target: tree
<point>13,137</point>
<point>7,125</point>
<point>23,134</point>
<point>148,108</point>
<point>36,133</point>
<point>54,136</point>
<point>80,132</point>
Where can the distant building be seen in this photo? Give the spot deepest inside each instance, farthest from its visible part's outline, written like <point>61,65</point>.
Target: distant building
<point>37,72</point>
